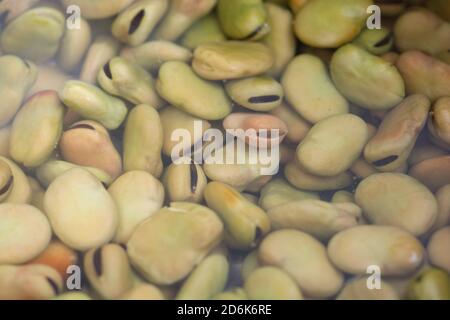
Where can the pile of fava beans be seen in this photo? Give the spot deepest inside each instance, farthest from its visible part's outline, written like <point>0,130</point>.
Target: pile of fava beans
<point>94,205</point>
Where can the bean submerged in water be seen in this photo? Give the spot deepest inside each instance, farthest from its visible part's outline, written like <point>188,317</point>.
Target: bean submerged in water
<point>224,149</point>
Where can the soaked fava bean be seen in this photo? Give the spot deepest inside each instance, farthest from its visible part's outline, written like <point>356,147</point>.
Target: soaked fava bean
<point>296,125</point>
<point>24,233</point>
<point>439,121</point>
<point>17,76</point>
<point>332,145</point>
<point>108,270</point>
<point>173,119</point>
<point>230,60</point>
<point>151,55</point>
<point>278,192</point>
<point>300,178</point>
<point>397,134</point>
<point>138,195</point>
<point>296,5</point>
<point>34,35</point>
<point>390,57</point>
<point>93,104</point>
<point>98,9</point>
<point>391,8</point>
<point>32,282</point>
<point>394,250</point>
<point>166,247</point>
<point>397,200</point>
<point>180,16</point>
<point>281,38</point>
<point>315,217</point>
<point>424,74</point>
<point>143,292</point>
<point>348,19</point>
<point>6,180</point>
<point>357,289</point>
<point>245,223</point>
<point>430,284</point>
<point>243,20</point>
<point>142,141</point>
<point>205,30</point>
<point>36,129</point>
<point>422,30</point>
<point>185,182</point>
<point>438,248</point>
<point>434,172</point>
<point>376,41</point>
<point>82,213</point>
<point>57,256</point>
<point>257,128</point>
<point>269,283</point>
<point>74,45</point>
<point>257,93</point>
<point>20,187</point>
<point>134,25</point>
<point>102,49</point>
<point>304,259</point>
<point>129,81</point>
<point>200,98</point>
<point>52,169</point>
<point>207,279</point>
<point>306,82</point>
<point>365,79</point>
<point>87,143</point>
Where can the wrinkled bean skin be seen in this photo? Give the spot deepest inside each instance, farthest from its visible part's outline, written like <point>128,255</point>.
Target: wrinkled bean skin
<point>397,134</point>
<point>397,200</point>
<point>395,251</point>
